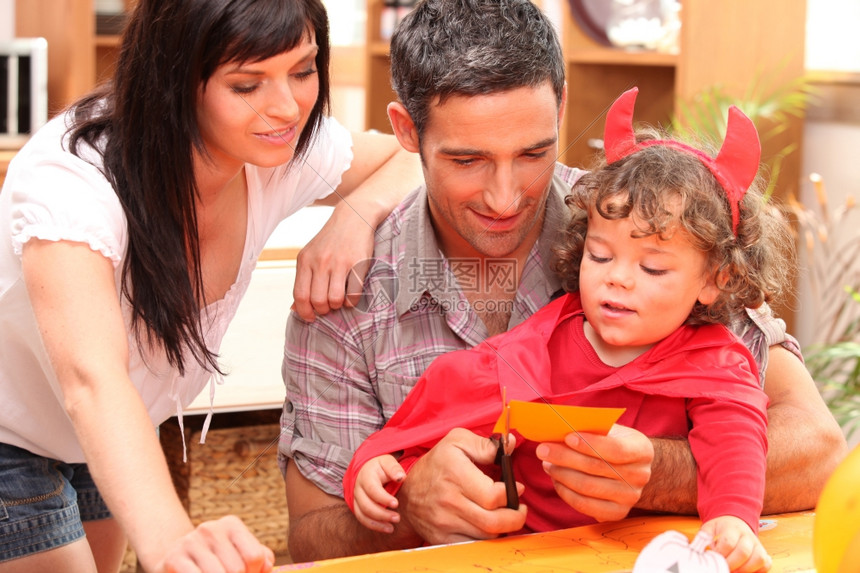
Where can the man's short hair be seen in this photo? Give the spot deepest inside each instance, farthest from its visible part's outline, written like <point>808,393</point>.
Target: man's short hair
<point>472,47</point>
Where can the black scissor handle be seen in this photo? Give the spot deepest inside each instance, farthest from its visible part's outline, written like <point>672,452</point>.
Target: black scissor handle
<point>504,461</point>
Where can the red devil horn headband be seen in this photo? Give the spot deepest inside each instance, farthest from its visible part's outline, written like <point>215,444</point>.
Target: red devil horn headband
<point>735,166</point>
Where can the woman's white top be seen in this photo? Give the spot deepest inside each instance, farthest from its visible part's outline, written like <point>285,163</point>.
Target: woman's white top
<point>51,194</point>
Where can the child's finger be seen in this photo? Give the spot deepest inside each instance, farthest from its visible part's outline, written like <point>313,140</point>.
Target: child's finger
<point>392,469</point>
<point>373,516</point>
<point>379,495</point>
<point>372,524</point>
<point>760,562</point>
<point>375,510</point>
<point>379,526</point>
<point>752,560</point>
<point>737,551</point>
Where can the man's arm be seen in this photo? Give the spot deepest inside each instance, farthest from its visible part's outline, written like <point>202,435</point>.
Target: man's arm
<point>805,444</point>
<point>323,527</point>
<point>805,441</point>
<point>330,404</point>
<point>672,487</point>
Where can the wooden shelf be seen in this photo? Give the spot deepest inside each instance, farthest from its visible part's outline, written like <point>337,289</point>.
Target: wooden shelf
<point>377,80</point>
<point>107,48</point>
<point>69,28</point>
<point>377,49</point>
<point>6,156</point>
<point>107,41</point>
<point>608,56</point>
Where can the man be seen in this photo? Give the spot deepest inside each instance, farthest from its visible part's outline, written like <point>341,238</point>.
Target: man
<point>481,95</point>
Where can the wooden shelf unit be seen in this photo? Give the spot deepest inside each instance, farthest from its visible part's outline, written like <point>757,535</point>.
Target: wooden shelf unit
<point>377,72</point>
<point>107,47</point>
<point>731,43</point>
<point>69,27</point>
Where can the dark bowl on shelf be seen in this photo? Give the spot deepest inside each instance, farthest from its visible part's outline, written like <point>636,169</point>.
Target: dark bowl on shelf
<point>592,17</point>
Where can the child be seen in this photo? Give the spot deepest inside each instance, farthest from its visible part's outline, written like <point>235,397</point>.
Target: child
<point>665,246</point>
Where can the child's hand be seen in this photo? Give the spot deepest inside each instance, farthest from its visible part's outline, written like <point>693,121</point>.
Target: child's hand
<point>373,505</point>
<point>734,539</point>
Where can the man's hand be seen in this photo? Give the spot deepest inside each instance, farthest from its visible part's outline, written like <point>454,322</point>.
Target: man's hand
<point>600,476</point>
<point>446,498</point>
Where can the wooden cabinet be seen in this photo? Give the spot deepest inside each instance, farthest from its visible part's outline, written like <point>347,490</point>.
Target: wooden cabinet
<point>6,156</point>
<point>729,43</point>
<point>69,27</point>
<point>77,56</point>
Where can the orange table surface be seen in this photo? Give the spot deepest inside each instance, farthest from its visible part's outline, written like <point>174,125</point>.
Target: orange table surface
<point>602,548</point>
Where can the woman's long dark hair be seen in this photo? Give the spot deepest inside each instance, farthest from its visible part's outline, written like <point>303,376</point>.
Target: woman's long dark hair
<point>145,124</point>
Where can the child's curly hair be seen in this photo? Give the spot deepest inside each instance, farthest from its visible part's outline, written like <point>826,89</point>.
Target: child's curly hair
<point>654,185</point>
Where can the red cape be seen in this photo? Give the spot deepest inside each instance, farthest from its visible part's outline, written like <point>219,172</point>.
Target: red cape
<point>464,389</point>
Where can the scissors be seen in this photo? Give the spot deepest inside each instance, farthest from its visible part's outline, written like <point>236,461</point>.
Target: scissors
<point>503,457</point>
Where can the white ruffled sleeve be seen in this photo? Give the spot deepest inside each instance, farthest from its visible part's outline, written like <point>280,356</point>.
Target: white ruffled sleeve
<point>57,196</point>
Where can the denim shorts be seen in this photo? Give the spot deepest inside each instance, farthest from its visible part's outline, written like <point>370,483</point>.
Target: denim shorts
<point>43,502</point>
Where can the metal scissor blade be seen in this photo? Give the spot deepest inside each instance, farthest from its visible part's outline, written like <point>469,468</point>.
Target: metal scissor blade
<point>505,451</point>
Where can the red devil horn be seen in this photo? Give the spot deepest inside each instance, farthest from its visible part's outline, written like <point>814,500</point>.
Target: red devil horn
<point>735,167</point>
<point>738,159</point>
<point>737,162</point>
<point>618,137</point>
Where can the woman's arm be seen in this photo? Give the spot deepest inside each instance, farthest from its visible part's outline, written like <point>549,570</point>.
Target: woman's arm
<point>381,174</point>
<point>74,298</point>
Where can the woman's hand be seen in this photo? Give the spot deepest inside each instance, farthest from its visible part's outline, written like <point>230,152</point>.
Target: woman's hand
<point>224,545</point>
<point>330,269</point>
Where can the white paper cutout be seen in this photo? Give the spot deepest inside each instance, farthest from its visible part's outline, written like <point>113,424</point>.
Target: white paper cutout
<point>670,552</point>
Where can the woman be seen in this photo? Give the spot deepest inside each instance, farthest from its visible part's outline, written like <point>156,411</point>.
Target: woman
<point>130,226</point>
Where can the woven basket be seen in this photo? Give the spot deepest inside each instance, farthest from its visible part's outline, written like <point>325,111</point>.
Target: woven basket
<point>235,472</point>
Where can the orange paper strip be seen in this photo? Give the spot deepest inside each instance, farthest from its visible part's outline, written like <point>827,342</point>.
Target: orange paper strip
<point>542,422</point>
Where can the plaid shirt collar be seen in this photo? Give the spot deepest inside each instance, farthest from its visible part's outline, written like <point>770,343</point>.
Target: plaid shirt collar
<point>433,276</point>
